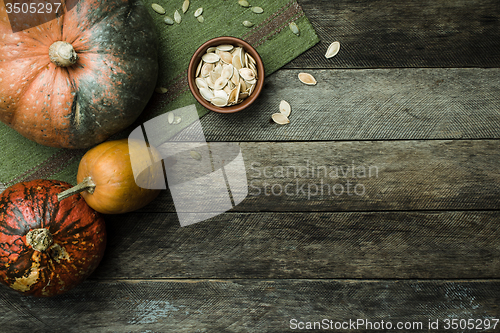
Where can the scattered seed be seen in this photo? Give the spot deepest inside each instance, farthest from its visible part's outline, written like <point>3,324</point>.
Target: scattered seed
<point>244,3</point>
<point>285,108</point>
<point>177,17</point>
<point>161,90</point>
<point>168,20</point>
<point>177,120</point>
<point>333,49</point>
<point>195,155</point>
<point>170,117</point>
<point>200,19</point>
<point>198,12</point>
<point>257,10</point>
<point>248,24</point>
<point>185,6</point>
<point>294,28</point>
<point>157,8</point>
<point>307,79</point>
<point>279,118</point>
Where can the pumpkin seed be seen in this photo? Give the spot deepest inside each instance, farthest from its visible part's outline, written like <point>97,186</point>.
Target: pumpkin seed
<point>285,108</point>
<point>244,3</point>
<point>237,62</point>
<point>219,101</point>
<point>250,59</point>
<point>241,54</point>
<point>161,90</point>
<point>177,17</point>
<point>247,74</point>
<point>170,117</point>
<point>307,79</point>
<point>211,49</point>
<point>206,69</point>
<point>248,24</point>
<point>168,20</point>
<point>195,155</point>
<point>220,83</point>
<point>333,49</point>
<point>225,47</point>
<point>200,19</point>
<point>217,71</point>
<point>294,28</point>
<point>185,6</point>
<point>157,8</point>
<point>236,76</point>
<point>206,93</point>
<point>198,69</point>
<point>234,95</point>
<point>198,12</point>
<point>279,118</point>
<point>257,10</point>
<point>210,82</point>
<point>177,120</point>
<point>221,94</point>
<point>210,58</point>
<point>252,87</point>
<point>227,72</point>
<point>226,57</point>
<point>201,83</point>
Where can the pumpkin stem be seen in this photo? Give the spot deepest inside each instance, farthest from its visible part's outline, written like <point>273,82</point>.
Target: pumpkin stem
<point>86,185</point>
<point>39,239</point>
<point>62,54</point>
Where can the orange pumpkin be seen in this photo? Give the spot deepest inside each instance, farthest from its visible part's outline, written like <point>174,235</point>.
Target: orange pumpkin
<point>73,80</point>
<point>47,247</point>
<point>107,181</point>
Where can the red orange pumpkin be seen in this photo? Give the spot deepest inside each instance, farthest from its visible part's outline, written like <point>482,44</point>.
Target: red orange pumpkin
<point>75,79</point>
<point>47,247</point>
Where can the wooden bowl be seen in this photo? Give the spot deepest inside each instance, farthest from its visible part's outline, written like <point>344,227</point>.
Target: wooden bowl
<point>195,60</point>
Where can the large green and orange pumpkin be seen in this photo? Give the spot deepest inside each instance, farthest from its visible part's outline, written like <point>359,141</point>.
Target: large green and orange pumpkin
<point>72,79</point>
<point>47,247</point>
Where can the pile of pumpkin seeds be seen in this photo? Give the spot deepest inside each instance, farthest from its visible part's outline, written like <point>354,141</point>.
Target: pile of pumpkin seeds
<point>226,75</point>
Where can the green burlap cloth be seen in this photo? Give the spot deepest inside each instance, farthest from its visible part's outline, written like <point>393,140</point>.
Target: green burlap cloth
<point>23,160</point>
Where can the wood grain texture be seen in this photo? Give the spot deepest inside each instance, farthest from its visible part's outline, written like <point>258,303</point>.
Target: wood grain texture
<point>375,104</point>
<point>404,33</point>
<point>365,176</point>
<point>399,245</point>
<point>248,305</point>
<point>413,91</point>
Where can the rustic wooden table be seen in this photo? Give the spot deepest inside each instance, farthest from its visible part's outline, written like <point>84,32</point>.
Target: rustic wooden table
<point>406,121</point>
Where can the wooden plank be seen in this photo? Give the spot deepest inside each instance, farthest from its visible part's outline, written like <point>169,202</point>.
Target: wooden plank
<point>363,176</point>
<point>395,245</point>
<point>375,104</point>
<point>254,306</point>
<point>404,33</point>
